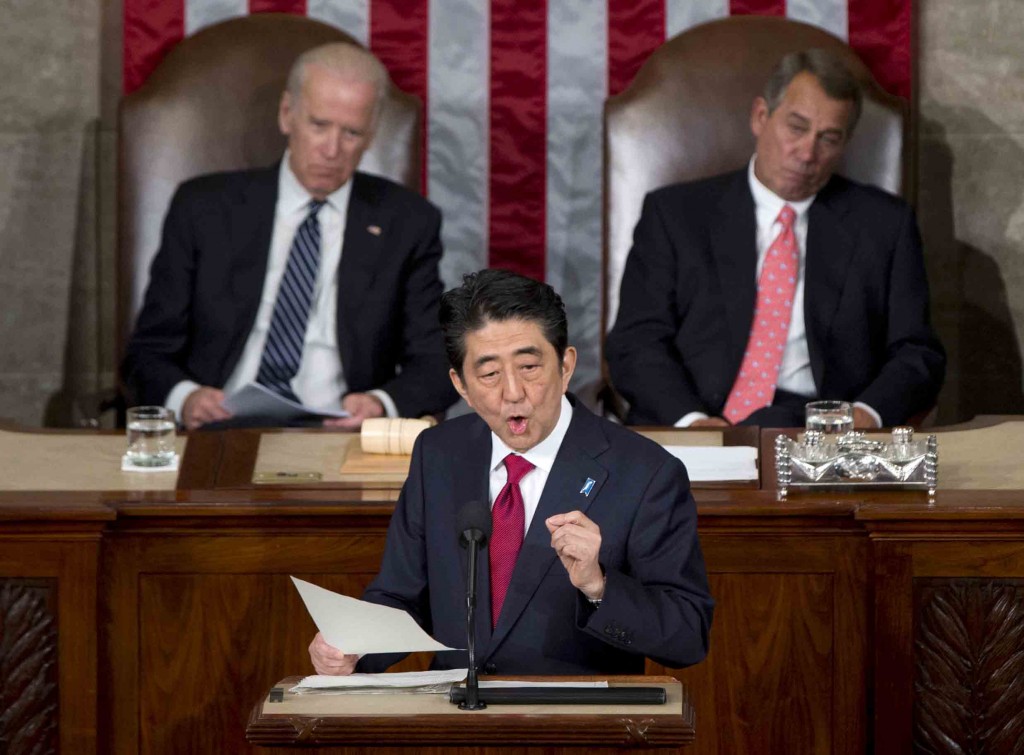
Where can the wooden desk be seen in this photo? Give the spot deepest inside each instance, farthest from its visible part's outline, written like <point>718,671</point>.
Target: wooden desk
<point>819,642</point>
<point>376,723</point>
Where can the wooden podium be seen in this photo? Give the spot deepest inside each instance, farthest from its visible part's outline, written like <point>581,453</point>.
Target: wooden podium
<point>376,722</point>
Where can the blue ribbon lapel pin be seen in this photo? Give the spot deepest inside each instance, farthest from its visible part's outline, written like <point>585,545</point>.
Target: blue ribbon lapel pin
<point>588,486</point>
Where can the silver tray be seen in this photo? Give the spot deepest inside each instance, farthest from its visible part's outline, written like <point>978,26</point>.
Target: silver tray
<point>854,461</point>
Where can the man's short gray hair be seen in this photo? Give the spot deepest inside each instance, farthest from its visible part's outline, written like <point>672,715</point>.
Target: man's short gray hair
<point>824,65</point>
<point>347,60</point>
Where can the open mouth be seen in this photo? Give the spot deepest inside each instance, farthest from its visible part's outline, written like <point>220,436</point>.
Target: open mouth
<point>517,425</point>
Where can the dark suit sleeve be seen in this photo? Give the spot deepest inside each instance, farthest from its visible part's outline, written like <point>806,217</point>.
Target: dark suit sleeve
<point>156,352</point>
<point>402,579</point>
<point>423,385</point>
<point>659,605</point>
<point>644,363</point>
<point>914,367</point>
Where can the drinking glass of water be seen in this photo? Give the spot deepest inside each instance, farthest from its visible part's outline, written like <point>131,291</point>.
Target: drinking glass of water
<point>150,436</point>
<point>830,417</point>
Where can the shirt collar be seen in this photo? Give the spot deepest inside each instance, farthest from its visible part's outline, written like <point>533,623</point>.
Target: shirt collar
<point>543,454</point>
<point>292,196</point>
<point>767,200</point>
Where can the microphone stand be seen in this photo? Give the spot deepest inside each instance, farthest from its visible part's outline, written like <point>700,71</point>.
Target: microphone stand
<point>472,701</point>
<point>474,531</point>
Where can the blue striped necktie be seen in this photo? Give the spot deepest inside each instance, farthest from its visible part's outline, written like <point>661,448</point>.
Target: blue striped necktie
<point>283,350</point>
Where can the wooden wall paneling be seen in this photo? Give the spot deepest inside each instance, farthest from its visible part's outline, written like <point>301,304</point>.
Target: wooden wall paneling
<point>28,665</point>
<point>969,665</point>
<point>48,638</point>
<point>996,557</point>
<point>893,653</point>
<point>852,659</point>
<point>202,623</point>
<point>969,641</point>
<point>786,671</point>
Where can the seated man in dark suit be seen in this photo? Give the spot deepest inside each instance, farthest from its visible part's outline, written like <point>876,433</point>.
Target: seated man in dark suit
<point>315,280</point>
<point>747,294</point>
<point>593,562</point>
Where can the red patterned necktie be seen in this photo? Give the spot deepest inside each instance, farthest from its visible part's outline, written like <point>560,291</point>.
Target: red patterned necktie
<point>755,384</point>
<point>508,518</point>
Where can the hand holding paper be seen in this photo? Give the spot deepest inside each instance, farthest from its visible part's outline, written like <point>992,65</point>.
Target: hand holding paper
<point>255,400</point>
<point>328,660</point>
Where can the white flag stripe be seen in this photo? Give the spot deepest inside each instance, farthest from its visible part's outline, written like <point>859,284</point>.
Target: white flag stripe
<point>830,15</point>
<point>202,13</point>
<point>681,15</point>
<point>351,16</point>
<point>457,139</point>
<point>577,73</point>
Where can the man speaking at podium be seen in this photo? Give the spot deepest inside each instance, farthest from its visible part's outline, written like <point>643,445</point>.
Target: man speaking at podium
<point>593,561</point>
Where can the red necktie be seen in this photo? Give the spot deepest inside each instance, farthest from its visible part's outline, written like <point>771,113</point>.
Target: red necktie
<point>508,518</point>
<point>755,384</point>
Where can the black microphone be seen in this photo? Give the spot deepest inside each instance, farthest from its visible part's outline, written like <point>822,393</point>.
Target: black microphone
<point>473,524</point>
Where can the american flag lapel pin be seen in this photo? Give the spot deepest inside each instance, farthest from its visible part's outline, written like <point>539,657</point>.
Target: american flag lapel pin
<point>374,229</point>
<point>588,486</point>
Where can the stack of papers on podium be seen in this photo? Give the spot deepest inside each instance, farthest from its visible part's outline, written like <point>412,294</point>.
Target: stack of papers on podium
<point>717,464</point>
<point>409,681</point>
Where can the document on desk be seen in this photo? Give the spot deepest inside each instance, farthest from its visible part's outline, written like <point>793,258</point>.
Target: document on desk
<point>413,681</point>
<point>356,626</point>
<point>717,464</point>
<point>255,400</point>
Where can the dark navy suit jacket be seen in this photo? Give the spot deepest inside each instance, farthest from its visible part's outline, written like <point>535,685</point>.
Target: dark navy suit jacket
<point>656,601</point>
<point>689,289</point>
<point>206,281</point>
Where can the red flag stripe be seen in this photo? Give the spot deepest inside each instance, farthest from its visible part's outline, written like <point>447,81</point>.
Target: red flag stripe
<point>151,29</point>
<point>880,31</point>
<point>399,37</point>
<point>518,146</point>
<point>278,6</point>
<point>757,7</point>
<point>635,29</point>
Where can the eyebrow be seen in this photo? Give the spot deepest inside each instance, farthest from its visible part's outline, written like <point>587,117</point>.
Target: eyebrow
<point>806,121</point>
<point>532,351</point>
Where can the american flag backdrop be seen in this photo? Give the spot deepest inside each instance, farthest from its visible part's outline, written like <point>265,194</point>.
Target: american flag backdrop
<point>514,91</point>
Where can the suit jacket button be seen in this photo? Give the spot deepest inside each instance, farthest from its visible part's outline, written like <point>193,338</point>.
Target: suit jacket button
<point>491,669</point>
<point>610,631</point>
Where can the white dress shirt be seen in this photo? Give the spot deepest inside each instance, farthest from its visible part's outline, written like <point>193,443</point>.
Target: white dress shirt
<point>795,374</point>
<point>542,456</point>
<point>320,382</point>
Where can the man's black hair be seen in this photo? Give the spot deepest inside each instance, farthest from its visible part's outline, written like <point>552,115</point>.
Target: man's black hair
<point>498,296</point>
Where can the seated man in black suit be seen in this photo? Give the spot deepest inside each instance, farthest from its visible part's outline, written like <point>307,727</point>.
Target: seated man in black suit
<point>315,280</point>
<point>593,562</point>
<point>747,294</point>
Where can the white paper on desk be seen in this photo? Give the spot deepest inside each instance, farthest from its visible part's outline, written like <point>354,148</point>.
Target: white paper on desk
<point>255,400</point>
<point>717,464</point>
<point>397,680</point>
<point>356,626</point>
<point>495,683</point>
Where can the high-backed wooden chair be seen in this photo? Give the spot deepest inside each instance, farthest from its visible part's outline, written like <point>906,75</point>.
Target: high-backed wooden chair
<point>687,116</point>
<point>212,105</point>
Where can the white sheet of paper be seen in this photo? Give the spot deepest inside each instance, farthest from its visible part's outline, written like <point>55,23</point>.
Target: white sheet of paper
<point>356,626</point>
<point>492,683</point>
<point>398,680</point>
<point>255,400</point>
<point>716,464</point>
